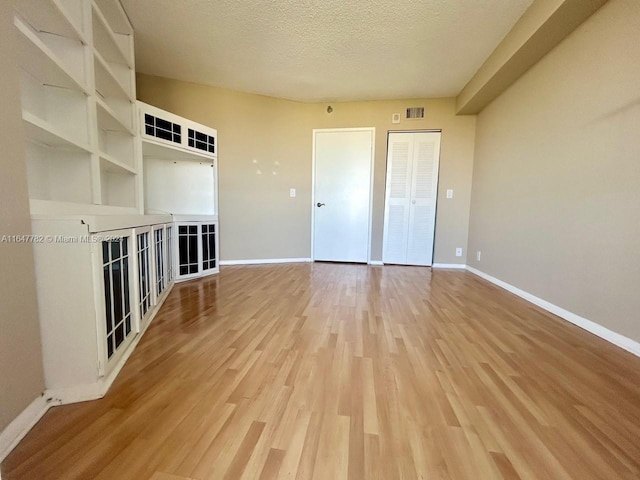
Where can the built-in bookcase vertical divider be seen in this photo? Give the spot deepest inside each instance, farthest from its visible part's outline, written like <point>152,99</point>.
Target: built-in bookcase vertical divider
<point>114,70</point>
<point>96,191</point>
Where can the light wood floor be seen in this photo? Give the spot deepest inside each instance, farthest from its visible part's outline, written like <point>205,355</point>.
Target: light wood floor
<point>344,371</point>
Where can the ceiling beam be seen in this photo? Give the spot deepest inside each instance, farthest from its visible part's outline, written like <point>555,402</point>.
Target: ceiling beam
<point>543,26</point>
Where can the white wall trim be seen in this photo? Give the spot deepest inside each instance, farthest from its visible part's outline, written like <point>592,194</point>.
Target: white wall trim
<point>458,266</point>
<point>23,423</point>
<point>590,326</point>
<point>375,262</point>
<point>20,426</point>
<point>260,261</point>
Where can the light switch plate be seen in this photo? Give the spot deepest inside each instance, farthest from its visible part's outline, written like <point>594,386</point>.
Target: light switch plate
<point>395,118</point>
<point>449,193</point>
<point>292,192</point>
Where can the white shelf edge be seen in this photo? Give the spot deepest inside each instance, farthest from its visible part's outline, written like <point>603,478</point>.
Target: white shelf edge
<point>47,127</point>
<point>103,63</point>
<point>31,37</point>
<point>105,23</point>
<point>109,111</point>
<point>117,163</point>
<point>178,149</point>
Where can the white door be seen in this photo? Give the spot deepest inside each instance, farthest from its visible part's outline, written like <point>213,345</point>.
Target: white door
<point>343,168</point>
<point>410,204</point>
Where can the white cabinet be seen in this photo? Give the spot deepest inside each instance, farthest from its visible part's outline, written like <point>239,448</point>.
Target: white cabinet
<point>410,204</point>
<point>181,178</point>
<point>96,280</point>
<point>78,106</point>
<point>166,128</point>
<point>144,299</point>
<point>197,247</point>
<point>104,260</point>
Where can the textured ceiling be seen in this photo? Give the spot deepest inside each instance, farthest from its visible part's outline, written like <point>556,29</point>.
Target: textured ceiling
<point>321,50</point>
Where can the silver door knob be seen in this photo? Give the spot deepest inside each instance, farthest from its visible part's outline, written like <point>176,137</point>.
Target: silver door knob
<point>319,204</point>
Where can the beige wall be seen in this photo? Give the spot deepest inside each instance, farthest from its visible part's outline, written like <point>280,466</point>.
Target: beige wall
<point>556,186</point>
<point>21,376</point>
<point>257,217</point>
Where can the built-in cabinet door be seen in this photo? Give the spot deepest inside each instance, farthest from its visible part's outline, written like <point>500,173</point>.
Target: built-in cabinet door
<point>188,250</point>
<point>145,278</point>
<point>170,254</point>
<point>159,260</point>
<point>117,289</point>
<point>411,191</point>
<point>208,237</point>
<point>197,249</point>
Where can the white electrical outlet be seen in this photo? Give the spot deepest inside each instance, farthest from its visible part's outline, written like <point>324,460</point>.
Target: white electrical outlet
<point>478,254</point>
<point>449,193</point>
<point>458,252</point>
<point>292,192</point>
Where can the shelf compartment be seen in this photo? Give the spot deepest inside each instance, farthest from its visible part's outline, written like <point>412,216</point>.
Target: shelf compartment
<point>114,47</point>
<point>41,62</point>
<point>58,17</point>
<point>108,119</point>
<point>44,133</point>
<point>119,147</point>
<point>118,185</point>
<point>63,112</point>
<point>115,16</point>
<point>58,175</point>
<point>108,82</point>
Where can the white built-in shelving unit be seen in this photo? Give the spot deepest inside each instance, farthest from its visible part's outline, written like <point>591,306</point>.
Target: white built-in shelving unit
<point>181,178</point>
<point>78,105</point>
<point>110,196</point>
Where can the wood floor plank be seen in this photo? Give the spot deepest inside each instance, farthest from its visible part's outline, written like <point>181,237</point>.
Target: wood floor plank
<point>329,371</point>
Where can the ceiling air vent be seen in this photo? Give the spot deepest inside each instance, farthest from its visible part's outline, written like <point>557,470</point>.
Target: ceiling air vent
<point>415,112</point>
<point>164,129</point>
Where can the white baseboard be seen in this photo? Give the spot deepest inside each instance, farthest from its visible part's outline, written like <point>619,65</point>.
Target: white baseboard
<point>20,426</point>
<point>375,262</point>
<point>459,266</point>
<point>16,430</point>
<point>590,326</point>
<point>260,261</point>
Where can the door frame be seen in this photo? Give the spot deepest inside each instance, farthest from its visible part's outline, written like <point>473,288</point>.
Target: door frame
<point>313,181</point>
<point>386,174</point>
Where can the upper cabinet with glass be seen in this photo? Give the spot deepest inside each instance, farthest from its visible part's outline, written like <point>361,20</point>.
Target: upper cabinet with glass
<point>166,128</point>
<point>180,163</point>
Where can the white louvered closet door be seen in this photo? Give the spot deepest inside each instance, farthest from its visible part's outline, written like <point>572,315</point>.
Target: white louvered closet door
<point>410,206</point>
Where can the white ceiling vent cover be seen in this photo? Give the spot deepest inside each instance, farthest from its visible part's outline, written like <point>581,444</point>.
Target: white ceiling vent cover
<point>415,113</point>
